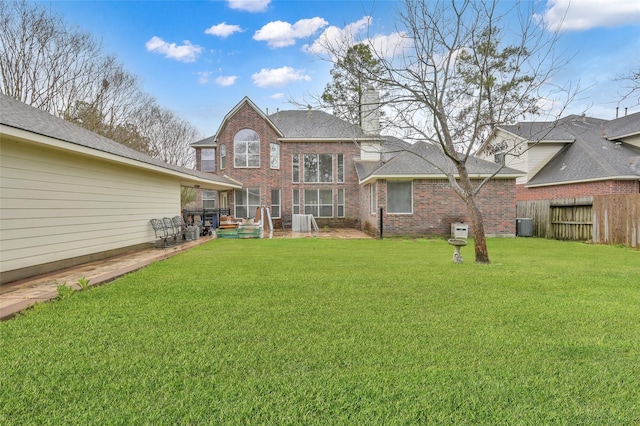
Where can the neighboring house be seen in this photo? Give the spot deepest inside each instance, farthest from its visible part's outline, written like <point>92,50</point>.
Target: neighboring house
<point>68,195</point>
<point>310,162</point>
<point>574,157</point>
<point>571,165</point>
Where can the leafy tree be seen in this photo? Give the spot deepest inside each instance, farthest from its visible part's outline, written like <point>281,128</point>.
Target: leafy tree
<point>351,75</point>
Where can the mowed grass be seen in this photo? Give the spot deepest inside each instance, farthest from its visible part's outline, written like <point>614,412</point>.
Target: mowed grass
<point>314,331</point>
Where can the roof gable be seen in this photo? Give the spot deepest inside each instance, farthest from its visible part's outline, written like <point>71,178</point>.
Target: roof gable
<point>230,114</point>
<point>592,156</point>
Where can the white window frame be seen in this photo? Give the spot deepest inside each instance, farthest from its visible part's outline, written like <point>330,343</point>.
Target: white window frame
<point>244,150</point>
<point>391,208</point>
<point>373,197</point>
<point>295,168</point>
<point>340,168</point>
<point>210,160</point>
<point>223,156</point>
<point>316,209</point>
<point>248,194</point>
<point>274,156</point>
<point>315,176</point>
<point>276,203</point>
<point>341,203</point>
<point>208,196</point>
<point>295,201</point>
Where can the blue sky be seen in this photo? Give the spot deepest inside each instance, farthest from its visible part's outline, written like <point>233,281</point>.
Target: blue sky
<point>200,58</point>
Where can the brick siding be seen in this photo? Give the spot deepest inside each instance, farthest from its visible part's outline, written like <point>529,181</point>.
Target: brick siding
<point>577,190</point>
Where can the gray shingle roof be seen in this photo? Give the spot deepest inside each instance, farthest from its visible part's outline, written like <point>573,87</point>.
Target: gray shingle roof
<point>314,124</point>
<point>594,154</point>
<point>413,162</point>
<point>623,126</point>
<point>22,116</point>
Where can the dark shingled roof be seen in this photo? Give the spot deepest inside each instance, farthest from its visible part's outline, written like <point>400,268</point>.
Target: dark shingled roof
<point>623,126</point>
<point>412,162</point>
<point>315,124</point>
<point>592,155</point>
<point>18,115</point>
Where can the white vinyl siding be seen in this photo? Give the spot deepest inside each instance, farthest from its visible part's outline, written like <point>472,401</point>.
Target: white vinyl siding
<point>58,205</point>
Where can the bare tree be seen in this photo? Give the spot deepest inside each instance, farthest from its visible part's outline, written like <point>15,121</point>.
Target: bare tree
<point>42,62</point>
<point>169,136</point>
<point>64,71</point>
<point>466,69</point>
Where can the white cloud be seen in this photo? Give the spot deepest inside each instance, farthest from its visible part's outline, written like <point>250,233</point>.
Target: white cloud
<point>186,52</point>
<point>226,80</point>
<point>249,5</point>
<point>223,30</point>
<point>335,39</point>
<point>277,96</point>
<point>278,77</point>
<point>203,77</point>
<point>282,34</point>
<point>573,15</point>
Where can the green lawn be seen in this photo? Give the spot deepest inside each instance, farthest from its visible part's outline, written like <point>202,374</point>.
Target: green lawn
<point>353,332</point>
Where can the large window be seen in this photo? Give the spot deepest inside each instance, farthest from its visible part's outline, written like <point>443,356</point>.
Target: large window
<point>208,199</point>
<point>399,197</point>
<point>223,156</point>
<point>318,168</point>
<point>246,149</point>
<point>318,202</point>
<point>274,157</point>
<point>208,160</point>
<point>275,203</point>
<point>247,201</point>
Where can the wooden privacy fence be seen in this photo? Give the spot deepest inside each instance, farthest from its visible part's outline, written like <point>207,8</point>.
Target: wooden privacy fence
<point>605,219</point>
<point>616,219</point>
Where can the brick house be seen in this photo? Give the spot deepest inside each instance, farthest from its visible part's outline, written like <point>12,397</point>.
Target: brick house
<point>310,162</point>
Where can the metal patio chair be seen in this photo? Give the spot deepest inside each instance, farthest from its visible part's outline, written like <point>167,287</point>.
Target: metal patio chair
<point>160,230</point>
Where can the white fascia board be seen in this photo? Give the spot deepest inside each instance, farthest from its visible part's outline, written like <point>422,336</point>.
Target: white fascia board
<point>315,140</point>
<point>570,182</point>
<point>32,138</point>
<point>373,178</point>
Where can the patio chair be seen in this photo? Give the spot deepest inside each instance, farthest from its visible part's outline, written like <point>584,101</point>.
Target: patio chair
<point>171,232</point>
<point>179,228</point>
<point>160,230</point>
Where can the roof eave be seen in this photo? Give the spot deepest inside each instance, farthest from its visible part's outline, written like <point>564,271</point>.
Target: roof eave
<point>27,136</point>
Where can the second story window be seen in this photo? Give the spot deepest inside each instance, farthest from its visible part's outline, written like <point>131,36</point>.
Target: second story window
<point>295,168</point>
<point>223,156</point>
<point>208,160</point>
<point>318,168</point>
<point>274,158</point>
<point>246,149</point>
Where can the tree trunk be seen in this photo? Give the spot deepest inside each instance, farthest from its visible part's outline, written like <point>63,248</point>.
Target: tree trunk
<point>477,224</point>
